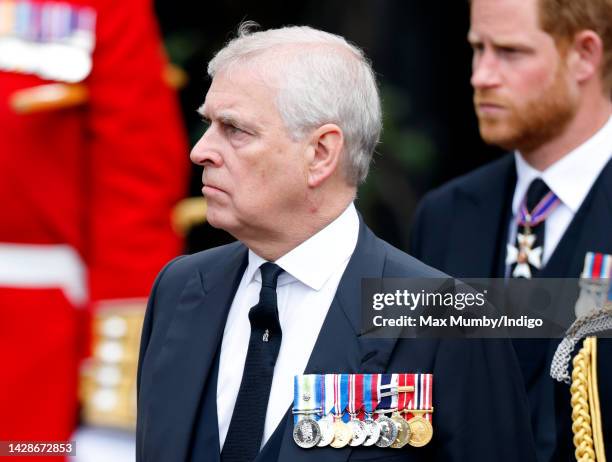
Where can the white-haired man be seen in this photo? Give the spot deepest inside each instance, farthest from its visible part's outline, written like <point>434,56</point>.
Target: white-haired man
<point>294,117</point>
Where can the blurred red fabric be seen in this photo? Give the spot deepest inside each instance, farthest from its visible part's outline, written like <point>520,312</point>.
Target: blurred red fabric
<point>101,177</point>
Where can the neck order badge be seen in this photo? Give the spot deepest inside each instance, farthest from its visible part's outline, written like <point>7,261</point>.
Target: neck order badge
<point>538,204</point>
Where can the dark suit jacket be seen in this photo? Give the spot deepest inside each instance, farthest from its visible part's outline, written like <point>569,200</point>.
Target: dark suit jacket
<point>462,228</point>
<point>480,408</point>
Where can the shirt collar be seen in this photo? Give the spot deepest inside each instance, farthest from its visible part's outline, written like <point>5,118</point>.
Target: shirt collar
<point>315,260</point>
<point>571,177</point>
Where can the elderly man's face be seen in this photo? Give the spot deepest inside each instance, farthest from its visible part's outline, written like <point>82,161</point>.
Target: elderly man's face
<point>522,95</point>
<point>254,174</point>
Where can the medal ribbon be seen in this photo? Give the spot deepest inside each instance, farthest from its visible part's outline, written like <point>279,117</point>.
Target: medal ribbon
<point>319,391</point>
<point>423,393</point>
<point>370,393</point>
<point>337,411</point>
<point>296,393</point>
<point>328,396</point>
<point>417,391</point>
<point>344,395</point>
<point>384,391</point>
<point>411,395</point>
<point>341,395</point>
<point>540,212</point>
<point>402,397</point>
<point>597,266</point>
<point>395,396</point>
<point>304,395</point>
<point>428,395</point>
<point>355,394</point>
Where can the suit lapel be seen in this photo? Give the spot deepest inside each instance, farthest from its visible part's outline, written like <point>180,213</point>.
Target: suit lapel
<point>187,355</point>
<point>589,231</point>
<point>339,347</point>
<point>479,227</point>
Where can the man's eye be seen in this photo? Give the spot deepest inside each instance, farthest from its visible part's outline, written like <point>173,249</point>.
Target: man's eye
<point>206,123</point>
<point>508,51</point>
<point>477,47</point>
<point>233,130</point>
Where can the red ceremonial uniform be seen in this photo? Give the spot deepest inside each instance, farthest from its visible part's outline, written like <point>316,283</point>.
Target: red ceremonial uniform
<point>86,190</point>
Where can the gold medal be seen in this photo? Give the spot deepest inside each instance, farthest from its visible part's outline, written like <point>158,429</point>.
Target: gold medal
<point>421,431</point>
<point>403,431</point>
<point>342,434</point>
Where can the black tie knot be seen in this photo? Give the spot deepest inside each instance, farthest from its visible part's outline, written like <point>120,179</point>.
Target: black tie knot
<point>269,274</point>
<point>536,191</point>
<point>264,315</point>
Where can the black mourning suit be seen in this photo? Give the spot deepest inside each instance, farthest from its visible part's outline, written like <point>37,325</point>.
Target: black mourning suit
<point>461,228</point>
<point>480,407</point>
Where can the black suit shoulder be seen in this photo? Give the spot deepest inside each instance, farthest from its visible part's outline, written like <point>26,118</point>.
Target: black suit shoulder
<point>170,283</point>
<point>435,211</point>
<point>400,264</point>
<point>175,272</point>
<point>174,276</point>
<point>476,179</point>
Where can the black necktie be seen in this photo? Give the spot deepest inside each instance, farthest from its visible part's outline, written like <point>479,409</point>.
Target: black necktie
<point>535,193</point>
<point>246,427</point>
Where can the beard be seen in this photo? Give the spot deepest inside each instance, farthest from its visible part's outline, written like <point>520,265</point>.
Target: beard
<point>530,124</point>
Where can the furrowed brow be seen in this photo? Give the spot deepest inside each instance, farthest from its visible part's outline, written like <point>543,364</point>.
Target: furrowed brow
<point>229,119</point>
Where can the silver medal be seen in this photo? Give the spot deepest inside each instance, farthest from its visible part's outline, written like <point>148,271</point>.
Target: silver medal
<point>327,432</point>
<point>373,432</point>
<point>388,432</point>
<point>306,433</point>
<point>359,432</point>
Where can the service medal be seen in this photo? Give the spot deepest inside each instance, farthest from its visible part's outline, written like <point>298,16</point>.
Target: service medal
<point>421,431</point>
<point>307,433</point>
<point>359,432</point>
<point>342,434</point>
<point>373,432</point>
<point>370,401</point>
<point>420,427</point>
<point>355,404</point>
<point>327,432</point>
<point>403,433</point>
<point>388,432</point>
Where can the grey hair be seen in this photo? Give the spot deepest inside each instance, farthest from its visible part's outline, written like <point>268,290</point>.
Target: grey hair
<point>322,79</point>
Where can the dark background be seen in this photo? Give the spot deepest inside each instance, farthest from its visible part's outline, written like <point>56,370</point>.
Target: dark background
<point>420,53</point>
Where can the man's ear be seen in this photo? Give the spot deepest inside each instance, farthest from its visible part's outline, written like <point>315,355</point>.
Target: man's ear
<point>325,148</point>
<point>585,56</point>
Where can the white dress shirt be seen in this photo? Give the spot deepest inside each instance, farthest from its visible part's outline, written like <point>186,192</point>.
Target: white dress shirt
<point>305,291</point>
<point>570,178</point>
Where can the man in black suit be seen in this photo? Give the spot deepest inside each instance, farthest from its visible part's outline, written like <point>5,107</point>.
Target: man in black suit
<point>294,117</point>
<point>542,78</point>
